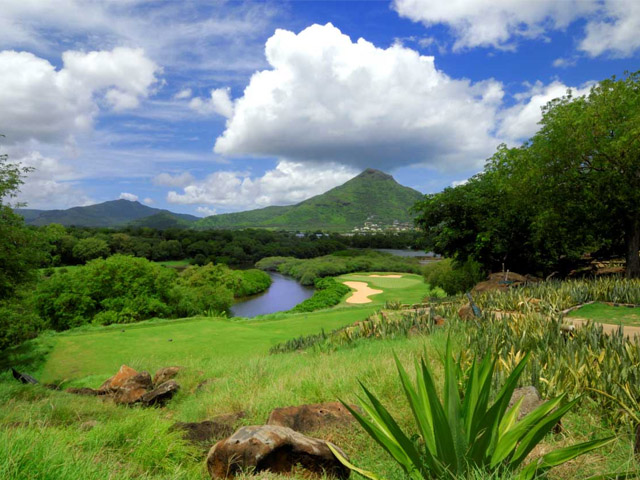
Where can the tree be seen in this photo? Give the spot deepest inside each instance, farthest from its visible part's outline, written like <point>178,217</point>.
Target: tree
<point>592,145</point>
<point>91,248</point>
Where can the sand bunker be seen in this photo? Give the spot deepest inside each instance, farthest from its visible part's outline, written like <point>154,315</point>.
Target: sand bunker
<point>385,276</point>
<point>362,292</point>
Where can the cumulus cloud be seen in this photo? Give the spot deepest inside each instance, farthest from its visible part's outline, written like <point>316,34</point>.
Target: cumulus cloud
<point>329,99</point>
<point>611,26</point>
<point>615,31</point>
<point>50,185</point>
<point>39,102</point>
<point>148,201</point>
<point>128,196</point>
<point>184,93</point>
<point>206,211</point>
<point>178,180</point>
<point>520,121</point>
<point>290,182</point>
<point>219,102</point>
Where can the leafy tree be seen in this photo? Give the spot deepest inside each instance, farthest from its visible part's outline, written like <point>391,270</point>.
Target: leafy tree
<point>90,248</point>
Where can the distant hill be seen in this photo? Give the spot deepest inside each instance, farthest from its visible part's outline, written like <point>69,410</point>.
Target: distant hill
<point>115,213</point>
<point>371,196</point>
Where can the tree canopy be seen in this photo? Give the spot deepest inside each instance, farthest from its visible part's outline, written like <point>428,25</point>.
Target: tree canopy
<point>572,189</point>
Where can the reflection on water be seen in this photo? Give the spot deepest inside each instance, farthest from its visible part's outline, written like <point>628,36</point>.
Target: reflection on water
<point>283,294</point>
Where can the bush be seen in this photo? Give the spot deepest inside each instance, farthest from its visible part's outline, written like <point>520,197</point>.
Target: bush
<point>251,282</point>
<point>452,278</point>
<point>18,322</point>
<point>328,293</point>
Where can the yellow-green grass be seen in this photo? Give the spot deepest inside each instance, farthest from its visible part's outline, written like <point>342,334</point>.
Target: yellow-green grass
<point>603,313</point>
<point>409,288</point>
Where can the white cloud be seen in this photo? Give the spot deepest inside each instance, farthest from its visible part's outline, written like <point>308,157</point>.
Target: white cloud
<point>457,183</point>
<point>50,185</point>
<point>148,201</point>
<point>615,32</point>
<point>520,122</point>
<point>611,26</point>
<point>290,182</point>
<point>329,99</point>
<point>42,103</point>
<point>182,94</point>
<point>178,180</point>
<point>128,196</point>
<point>206,211</point>
<point>486,23</point>
<point>219,102</point>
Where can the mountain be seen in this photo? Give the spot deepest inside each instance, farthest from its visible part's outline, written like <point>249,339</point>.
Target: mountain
<point>372,196</point>
<point>115,213</point>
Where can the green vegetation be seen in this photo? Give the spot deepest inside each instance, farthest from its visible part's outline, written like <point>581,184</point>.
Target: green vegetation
<point>108,214</point>
<point>467,431</point>
<point>371,196</point>
<point>306,271</point>
<point>122,289</point>
<point>533,209</point>
<point>328,293</point>
<point>453,280</point>
<point>603,313</point>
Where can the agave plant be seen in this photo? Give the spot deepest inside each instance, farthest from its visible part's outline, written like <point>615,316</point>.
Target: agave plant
<point>468,433</point>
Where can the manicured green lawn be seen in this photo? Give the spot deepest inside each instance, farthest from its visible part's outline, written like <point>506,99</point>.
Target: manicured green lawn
<point>408,289</point>
<point>603,313</point>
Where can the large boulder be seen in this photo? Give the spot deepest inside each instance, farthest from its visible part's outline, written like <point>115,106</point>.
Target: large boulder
<point>275,449</point>
<point>208,432</point>
<point>309,418</point>
<point>133,389</point>
<point>531,400</point>
<point>160,395</point>
<point>115,382</point>
<point>165,374</point>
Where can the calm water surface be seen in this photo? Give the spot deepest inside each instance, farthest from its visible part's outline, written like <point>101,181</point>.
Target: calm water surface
<point>283,294</point>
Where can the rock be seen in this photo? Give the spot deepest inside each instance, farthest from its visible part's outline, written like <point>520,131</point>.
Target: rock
<point>414,332</point>
<point>118,379</point>
<point>160,395</point>
<point>23,377</point>
<point>133,389</point>
<point>210,431</point>
<point>84,391</point>
<point>532,400</point>
<point>275,449</point>
<point>164,374</point>
<point>466,312</point>
<point>308,418</point>
<point>438,320</point>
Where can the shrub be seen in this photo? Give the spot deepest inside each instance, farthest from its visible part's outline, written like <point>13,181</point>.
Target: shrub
<point>452,278</point>
<point>465,433</point>
<point>328,293</point>
<point>18,321</point>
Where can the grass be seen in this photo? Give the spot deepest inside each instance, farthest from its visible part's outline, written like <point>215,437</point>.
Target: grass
<point>603,313</point>
<point>408,289</point>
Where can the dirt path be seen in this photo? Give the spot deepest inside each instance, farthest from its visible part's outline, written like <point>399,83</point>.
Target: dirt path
<point>362,292</point>
<point>385,276</point>
<point>630,332</point>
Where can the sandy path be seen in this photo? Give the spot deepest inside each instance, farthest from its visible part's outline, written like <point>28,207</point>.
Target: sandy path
<point>362,292</point>
<point>386,276</point>
<point>628,331</point>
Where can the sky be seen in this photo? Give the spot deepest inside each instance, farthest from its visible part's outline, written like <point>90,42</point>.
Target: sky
<point>208,107</point>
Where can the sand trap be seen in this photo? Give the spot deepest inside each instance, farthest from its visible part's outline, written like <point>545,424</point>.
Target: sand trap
<point>362,292</point>
<point>386,276</point>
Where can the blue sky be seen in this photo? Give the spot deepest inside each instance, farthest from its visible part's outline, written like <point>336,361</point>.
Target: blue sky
<point>211,107</point>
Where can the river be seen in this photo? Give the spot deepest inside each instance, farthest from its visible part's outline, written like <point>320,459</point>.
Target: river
<point>283,294</point>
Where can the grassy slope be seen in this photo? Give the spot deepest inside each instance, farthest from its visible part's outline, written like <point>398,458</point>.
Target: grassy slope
<point>603,313</point>
<point>372,193</point>
<point>42,434</point>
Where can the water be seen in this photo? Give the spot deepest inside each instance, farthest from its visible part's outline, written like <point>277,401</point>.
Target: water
<point>283,294</point>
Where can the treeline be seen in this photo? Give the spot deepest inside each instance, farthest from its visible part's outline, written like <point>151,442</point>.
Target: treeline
<point>570,193</point>
<point>77,245</point>
<point>345,261</point>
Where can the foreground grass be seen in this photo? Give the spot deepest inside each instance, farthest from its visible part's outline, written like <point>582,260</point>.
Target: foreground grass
<point>603,313</point>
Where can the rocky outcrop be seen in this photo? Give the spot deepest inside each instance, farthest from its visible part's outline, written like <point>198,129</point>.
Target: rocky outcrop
<point>204,434</point>
<point>531,400</point>
<point>115,382</point>
<point>309,418</point>
<point>275,449</point>
<point>160,395</point>
<point>90,392</point>
<point>133,389</point>
<point>23,377</point>
<point>165,374</point>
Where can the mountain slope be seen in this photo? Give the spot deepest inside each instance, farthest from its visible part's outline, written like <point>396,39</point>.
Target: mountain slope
<point>108,214</point>
<point>371,196</point>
